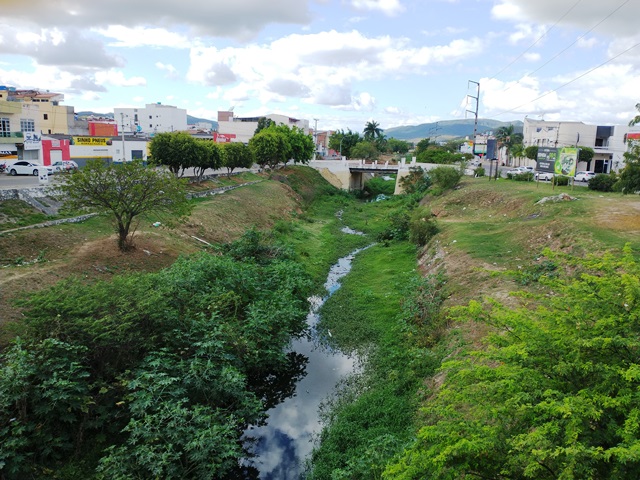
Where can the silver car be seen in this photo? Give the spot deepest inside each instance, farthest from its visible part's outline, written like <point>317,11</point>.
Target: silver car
<point>24,167</point>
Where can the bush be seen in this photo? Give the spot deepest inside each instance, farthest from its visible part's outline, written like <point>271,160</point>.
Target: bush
<point>560,180</point>
<point>422,228</point>
<point>479,172</point>
<point>416,182</point>
<point>602,182</point>
<point>523,177</point>
<point>445,177</point>
<point>398,230</point>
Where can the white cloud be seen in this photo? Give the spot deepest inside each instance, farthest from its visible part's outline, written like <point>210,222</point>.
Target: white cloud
<point>388,7</point>
<point>142,36</point>
<point>118,79</point>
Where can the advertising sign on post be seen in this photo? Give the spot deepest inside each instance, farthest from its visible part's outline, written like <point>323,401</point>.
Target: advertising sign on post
<point>567,161</point>
<point>546,161</point>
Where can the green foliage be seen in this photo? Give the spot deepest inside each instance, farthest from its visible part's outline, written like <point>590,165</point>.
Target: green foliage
<point>416,182</point>
<point>585,154</point>
<point>264,123</point>
<point>422,227</point>
<point>366,150</point>
<point>522,177</point>
<point>423,145</point>
<point>554,394</point>
<point>372,131</point>
<point>445,178</point>
<point>397,146</point>
<point>439,155</point>
<point>152,375</point>
<point>175,150</point>
<point>236,155</point>
<point>125,192</point>
<point>629,179</point>
<point>603,182</point>
<point>560,180</point>
<point>479,172</point>
<point>270,148</point>
<point>301,145</point>
<point>378,185</point>
<point>343,142</point>
<point>398,228</point>
<point>531,152</point>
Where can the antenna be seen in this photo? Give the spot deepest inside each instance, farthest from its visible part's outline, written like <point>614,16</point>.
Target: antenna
<point>475,123</point>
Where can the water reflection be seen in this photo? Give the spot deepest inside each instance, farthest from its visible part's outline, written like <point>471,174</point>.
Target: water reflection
<point>282,443</point>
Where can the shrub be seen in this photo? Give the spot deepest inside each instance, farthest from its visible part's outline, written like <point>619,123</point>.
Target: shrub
<point>523,177</point>
<point>445,177</point>
<point>479,172</point>
<point>416,182</point>
<point>398,230</point>
<point>422,228</point>
<point>560,180</point>
<point>602,182</point>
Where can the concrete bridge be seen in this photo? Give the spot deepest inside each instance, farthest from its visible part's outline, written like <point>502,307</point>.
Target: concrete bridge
<point>352,174</point>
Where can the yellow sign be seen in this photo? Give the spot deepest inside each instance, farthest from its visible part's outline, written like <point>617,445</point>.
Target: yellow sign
<point>91,141</point>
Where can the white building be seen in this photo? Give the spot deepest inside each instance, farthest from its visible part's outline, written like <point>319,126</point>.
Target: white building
<point>241,129</point>
<point>154,118</point>
<point>608,142</point>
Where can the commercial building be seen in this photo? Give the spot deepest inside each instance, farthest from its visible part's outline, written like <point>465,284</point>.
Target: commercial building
<point>241,129</point>
<point>609,143</point>
<point>153,118</point>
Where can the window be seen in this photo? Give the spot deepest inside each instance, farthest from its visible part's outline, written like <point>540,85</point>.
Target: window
<point>150,126</point>
<point>5,130</point>
<point>46,116</point>
<point>27,125</point>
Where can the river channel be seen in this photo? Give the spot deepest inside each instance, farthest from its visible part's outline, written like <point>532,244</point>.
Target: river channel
<point>281,445</point>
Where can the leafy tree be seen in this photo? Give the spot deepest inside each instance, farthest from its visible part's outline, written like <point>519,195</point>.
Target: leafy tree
<point>209,157</point>
<point>236,155</point>
<point>372,131</point>
<point>397,146</point>
<point>445,178</point>
<point>417,181</point>
<point>531,152</point>
<point>301,145</point>
<point>453,146</point>
<point>629,179</point>
<point>555,392</point>
<point>125,191</point>
<point>423,145</point>
<point>507,138</point>
<point>264,122</point>
<point>270,148</point>
<point>343,142</point>
<point>365,150</point>
<point>438,155</point>
<point>586,154</point>
<point>635,120</point>
<point>175,150</point>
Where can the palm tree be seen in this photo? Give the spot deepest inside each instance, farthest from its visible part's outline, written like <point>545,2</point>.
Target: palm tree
<point>372,130</point>
<point>507,138</point>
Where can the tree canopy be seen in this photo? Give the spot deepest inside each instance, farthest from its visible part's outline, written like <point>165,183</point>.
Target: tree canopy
<point>125,191</point>
<point>343,142</point>
<point>236,155</point>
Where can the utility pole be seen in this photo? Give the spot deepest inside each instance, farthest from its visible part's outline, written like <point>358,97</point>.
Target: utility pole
<point>475,123</point>
<point>315,139</point>
<point>122,134</point>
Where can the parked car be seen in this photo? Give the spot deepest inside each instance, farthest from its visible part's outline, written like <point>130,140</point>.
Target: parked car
<point>518,170</point>
<point>584,176</point>
<point>546,176</point>
<point>64,166</point>
<point>24,167</point>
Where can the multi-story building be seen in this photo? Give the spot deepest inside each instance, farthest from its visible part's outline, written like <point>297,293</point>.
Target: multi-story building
<point>608,142</point>
<point>153,118</point>
<point>241,129</point>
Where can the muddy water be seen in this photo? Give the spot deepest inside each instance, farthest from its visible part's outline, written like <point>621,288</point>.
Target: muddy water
<point>282,445</point>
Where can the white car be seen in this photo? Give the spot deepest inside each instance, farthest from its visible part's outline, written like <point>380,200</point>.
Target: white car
<point>64,166</point>
<point>584,176</point>
<point>24,167</point>
<point>547,176</point>
<point>518,170</point>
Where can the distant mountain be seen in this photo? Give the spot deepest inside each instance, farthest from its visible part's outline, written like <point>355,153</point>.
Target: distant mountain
<point>448,129</point>
<point>190,120</point>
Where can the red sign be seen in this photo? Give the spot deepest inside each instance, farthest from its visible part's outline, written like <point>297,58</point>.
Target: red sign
<point>223,137</point>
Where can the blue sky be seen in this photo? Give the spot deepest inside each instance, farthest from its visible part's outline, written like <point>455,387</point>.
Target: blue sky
<point>342,62</point>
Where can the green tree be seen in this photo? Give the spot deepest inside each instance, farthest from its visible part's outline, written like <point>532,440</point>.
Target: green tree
<point>301,145</point>
<point>343,142</point>
<point>236,155</point>
<point>365,150</point>
<point>417,181</point>
<point>586,155</point>
<point>445,178</point>
<point>209,157</point>
<point>125,192</point>
<point>531,152</point>
<point>270,148</point>
<point>629,179</point>
<point>397,146</point>
<point>423,145</point>
<point>635,120</point>
<point>554,394</point>
<point>264,122</point>
<point>372,131</point>
<point>507,138</point>
<point>175,150</point>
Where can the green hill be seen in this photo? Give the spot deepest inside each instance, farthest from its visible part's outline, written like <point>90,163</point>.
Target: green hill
<point>448,129</point>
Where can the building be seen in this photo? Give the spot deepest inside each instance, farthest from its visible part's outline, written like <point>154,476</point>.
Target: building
<point>608,142</point>
<point>241,129</point>
<point>154,118</point>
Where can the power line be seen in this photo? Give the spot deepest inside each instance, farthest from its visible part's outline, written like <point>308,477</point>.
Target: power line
<point>570,81</point>
<point>537,40</point>
<point>570,45</point>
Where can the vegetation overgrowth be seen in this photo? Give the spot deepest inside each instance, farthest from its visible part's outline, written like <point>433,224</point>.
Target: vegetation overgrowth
<point>161,385</point>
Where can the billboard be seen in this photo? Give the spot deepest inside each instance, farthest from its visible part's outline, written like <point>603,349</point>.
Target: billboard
<point>561,161</point>
<point>566,161</point>
<point>91,141</point>
<point>32,141</point>
<point>546,160</point>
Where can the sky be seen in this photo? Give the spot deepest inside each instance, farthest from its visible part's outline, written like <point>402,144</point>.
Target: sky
<point>337,63</point>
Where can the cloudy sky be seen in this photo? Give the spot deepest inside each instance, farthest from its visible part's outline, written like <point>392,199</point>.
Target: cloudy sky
<point>342,62</point>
